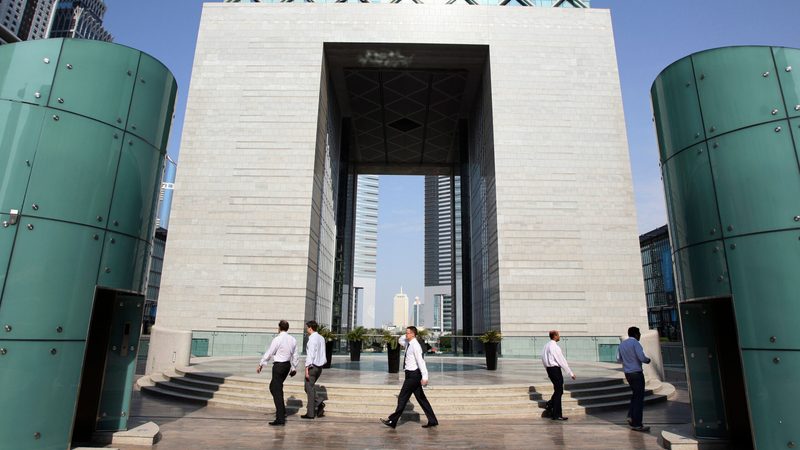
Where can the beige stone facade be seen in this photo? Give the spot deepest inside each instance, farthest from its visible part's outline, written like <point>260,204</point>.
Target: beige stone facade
<point>567,244</point>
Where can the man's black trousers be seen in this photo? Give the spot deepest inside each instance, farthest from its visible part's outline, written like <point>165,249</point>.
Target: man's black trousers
<point>280,370</point>
<point>413,385</point>
<point>555,375</point>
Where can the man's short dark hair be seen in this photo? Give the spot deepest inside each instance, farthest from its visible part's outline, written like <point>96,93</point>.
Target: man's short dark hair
<point>553,333</point>
<point>633,332</point>
<point>312,324</point>
<point>283,325</point>
<point>413,330</point>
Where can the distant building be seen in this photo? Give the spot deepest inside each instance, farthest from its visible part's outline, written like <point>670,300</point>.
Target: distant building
<point>24,20</point>
<point>416,312</point>
<point>154,279</point>
<point>400,316</point>
<point>442,251</point>
<point>80,19</point>
<point>659,283</point>
<point>365,253</point>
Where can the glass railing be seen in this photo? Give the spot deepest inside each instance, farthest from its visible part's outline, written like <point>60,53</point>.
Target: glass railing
<point>579,348</point>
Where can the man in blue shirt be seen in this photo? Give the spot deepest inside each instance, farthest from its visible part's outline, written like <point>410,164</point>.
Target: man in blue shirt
<point>631,355</point>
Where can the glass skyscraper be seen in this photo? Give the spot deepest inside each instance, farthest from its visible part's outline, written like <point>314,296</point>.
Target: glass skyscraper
<point>366,249</point>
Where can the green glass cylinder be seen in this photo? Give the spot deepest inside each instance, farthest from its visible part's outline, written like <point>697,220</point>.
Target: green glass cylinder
<point>728,123</point>
<point>83,136</point>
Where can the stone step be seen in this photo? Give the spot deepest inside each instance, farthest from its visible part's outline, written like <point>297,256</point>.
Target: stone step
<point>490,403</point>
<point>340,392</point>
<point>344,400</point>
<point>589,400</point>
<point>580,391</point>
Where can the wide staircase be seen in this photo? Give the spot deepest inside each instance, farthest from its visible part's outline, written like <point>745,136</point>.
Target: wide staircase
<point>353,400</point>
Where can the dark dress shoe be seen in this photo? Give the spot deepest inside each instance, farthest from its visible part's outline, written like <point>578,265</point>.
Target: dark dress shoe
<point>641,428</point>
<point>278,423</point>
<point>306,416</point>
<point>388,423</point>
<point>430,425</point>
<point>560,418</point>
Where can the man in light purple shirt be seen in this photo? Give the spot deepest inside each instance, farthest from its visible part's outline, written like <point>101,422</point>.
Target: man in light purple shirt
<point>283,351</point>
<point>554,361</point>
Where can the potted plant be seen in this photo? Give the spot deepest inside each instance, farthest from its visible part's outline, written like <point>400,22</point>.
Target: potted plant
<point>356,338</point>
<point>328,335</point>
<point>490,340</point>
<point>392,351</point>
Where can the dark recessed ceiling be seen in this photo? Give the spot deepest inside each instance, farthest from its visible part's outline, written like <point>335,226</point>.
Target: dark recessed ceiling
<point>405,103</point>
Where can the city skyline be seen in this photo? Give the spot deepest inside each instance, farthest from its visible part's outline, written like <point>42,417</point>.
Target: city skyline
<point>648,37</point>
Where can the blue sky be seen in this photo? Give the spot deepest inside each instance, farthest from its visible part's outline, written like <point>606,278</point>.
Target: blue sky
<point>649,35</point>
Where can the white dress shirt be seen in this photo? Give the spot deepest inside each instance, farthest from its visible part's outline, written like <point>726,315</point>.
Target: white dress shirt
<point>414,359</point>
<point>282,349</point>
<point>553,357</point>
<point>315,350</point>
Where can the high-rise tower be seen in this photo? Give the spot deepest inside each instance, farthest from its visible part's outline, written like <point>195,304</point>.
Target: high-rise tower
<point>366,248</point>
<point>24,20</point>
<point>80,19</point>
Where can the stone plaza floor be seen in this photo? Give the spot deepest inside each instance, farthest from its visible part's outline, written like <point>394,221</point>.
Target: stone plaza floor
<point>189,426</point>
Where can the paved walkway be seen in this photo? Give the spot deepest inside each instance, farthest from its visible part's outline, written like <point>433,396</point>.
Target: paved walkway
<point>188,426</point>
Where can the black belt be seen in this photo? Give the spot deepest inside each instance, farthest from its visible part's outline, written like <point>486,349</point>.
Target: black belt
<point>280,362</point>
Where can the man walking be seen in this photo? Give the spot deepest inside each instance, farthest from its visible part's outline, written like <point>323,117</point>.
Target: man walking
<point>554,361</point>
<point>283,351</point>
<point>631,355</point>
<point>416,377</point>
<point>315,359</point>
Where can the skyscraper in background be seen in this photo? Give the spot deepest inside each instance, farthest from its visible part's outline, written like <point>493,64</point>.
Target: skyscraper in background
<point>80,19</point>
<point>416,312</point>
<point>24,20</point>
<point>442,252</point>
<point>400,310</point>
<point>366,248</point>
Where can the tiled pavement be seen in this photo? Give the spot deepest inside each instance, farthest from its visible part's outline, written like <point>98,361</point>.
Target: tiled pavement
<point>186,426</point>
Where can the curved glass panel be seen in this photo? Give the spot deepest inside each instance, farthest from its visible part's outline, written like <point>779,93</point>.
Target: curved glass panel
<point>763,271</point>
<point>689,190</point>
<point>20,127</point>
<point>787,61</point>
<point>676,109</point>
<point>27,69</point>
<point>51,370</point>
<point>756,178</point>
<point>73,174</point>
<point>738,87</point>
<point>137,183</point>
<point>701,271</point>
<point>771,391</point>
<point>51,280</point>
<point>95,79</point>
<point>153,102</point>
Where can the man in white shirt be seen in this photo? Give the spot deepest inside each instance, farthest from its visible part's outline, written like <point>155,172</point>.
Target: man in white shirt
<point>315,359</point>
<point>554,361</point>
<point>416,377</point>
<point>283,351</point>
